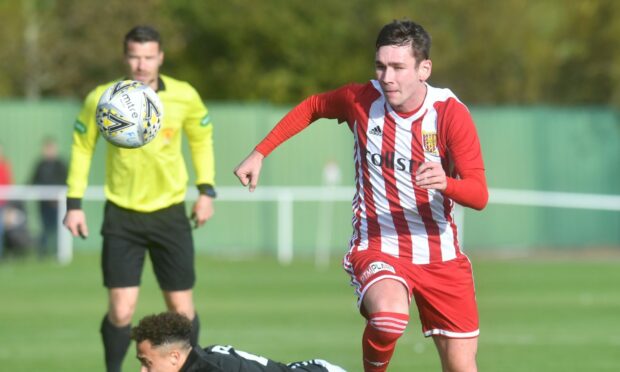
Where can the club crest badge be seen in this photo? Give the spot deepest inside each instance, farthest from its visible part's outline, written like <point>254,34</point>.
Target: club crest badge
<point>429,142</point>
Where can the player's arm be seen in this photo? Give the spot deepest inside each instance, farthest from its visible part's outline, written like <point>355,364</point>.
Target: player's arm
<point>85,134</point>
<point>330,105</point>
<point>230,359</point>
<point>199,130</point>
<point>463,147</point>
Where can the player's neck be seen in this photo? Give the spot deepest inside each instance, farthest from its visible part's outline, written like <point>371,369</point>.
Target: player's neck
<point>414,105</point>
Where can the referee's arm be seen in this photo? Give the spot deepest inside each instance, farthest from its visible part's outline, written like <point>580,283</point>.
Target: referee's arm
<point>199,131</point>
<point>85,136</point>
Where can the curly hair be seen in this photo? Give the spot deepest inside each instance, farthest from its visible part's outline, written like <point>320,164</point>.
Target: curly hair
<point>162,329</point>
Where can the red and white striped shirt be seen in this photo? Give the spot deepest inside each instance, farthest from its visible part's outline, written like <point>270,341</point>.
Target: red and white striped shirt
<point>390,213</point>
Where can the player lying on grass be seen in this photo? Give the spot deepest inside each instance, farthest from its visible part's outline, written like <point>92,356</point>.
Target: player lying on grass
<point>163,345</point>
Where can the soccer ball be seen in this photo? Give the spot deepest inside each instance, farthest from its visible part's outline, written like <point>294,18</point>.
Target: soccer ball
<point>129,114</point>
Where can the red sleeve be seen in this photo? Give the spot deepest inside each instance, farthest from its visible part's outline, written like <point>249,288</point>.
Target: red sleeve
<point>5,174</point>
<point>329,105</point>
<point>470,190</point>
<point>464,152</point>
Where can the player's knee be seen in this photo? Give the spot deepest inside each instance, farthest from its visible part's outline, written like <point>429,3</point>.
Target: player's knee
<point>386,296</point>
<point>459,365</point>
<point>387,327</point>
<point>181,302</point>
<point>120,315</point>
<point>457,356</point>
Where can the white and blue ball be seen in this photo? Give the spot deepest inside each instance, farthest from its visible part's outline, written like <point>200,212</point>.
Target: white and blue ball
<point>129,114</point>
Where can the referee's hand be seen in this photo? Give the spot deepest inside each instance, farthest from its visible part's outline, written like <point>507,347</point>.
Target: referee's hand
<point>249,170</point>
<point>202,211</point>
<point>75,221</point>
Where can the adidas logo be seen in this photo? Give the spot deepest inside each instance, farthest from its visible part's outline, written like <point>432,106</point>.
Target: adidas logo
<point>376,131</point>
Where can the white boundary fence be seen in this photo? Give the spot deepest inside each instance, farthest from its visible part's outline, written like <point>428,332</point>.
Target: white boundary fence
<point>285,197</point>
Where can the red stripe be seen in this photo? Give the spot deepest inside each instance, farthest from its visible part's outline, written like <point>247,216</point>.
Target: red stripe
<point>421,196</point>
<point>391,190</point>
<point>374,231</point>
<point>357,201</point>
<point>448,205</point>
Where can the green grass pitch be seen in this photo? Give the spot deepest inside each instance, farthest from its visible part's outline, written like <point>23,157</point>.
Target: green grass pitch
<point>549,315</point>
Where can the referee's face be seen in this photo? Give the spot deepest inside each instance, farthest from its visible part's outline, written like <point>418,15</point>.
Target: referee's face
<point>144,60</point>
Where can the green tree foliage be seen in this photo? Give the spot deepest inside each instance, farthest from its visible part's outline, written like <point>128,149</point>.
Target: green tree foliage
<point>488,52</point>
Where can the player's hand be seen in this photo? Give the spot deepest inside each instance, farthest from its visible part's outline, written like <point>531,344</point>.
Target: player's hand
<point>249,170</point>
<point>202,211</point>
<point>75,221</point>
<point>431,176</point>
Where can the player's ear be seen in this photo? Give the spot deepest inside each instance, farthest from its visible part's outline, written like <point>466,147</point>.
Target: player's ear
<point>424,69</point>
<point>175,357</point>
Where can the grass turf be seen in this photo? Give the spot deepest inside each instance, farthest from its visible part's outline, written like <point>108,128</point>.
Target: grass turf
<point>535,315</point>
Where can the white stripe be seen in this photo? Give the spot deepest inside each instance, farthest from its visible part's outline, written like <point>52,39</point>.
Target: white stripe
<point>388,330</point>
<point>443,332</point>
<point>358,202</point>
<point>419,239</point>
<point>391,326</point>
<point>388,236</point>
<point>394,323</point>
<point>388,319</point>
<point>436,198</point>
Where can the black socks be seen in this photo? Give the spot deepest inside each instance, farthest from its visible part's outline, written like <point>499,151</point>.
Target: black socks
<point>115,343</point>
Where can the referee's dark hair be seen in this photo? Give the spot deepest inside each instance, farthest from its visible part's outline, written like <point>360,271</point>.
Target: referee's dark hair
<point>142,34</point>
<point>404,33</point>
<point>163,329</point>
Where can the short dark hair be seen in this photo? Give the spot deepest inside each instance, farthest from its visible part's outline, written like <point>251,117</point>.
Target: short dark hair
<point>142,34</point>
<point>163,328</point>
<point>403,33</point>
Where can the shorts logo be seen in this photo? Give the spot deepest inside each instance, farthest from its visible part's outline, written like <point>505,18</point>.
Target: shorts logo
<point>374,268</point>
<point>429,142</point>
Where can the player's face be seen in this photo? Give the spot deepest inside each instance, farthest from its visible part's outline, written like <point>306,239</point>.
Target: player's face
<point>402,80</point>
<point>158,359</point>
<point>144,60</point>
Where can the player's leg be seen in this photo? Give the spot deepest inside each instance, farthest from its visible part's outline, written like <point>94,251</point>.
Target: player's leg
<point>182,302</point>
<point>384,301</point>
<point>315,365</point>
<point>448,312</point>
<point>121,262</point>
<point>386,305</point>
<point>172,254</point>
<point>116,325</point>
<point>457,354</point>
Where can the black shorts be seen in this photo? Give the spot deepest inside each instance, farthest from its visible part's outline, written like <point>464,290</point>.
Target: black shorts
<point>166,234</point>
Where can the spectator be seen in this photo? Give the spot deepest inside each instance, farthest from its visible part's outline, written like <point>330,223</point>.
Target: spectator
<point>5,180</point>
<point>50,170</point>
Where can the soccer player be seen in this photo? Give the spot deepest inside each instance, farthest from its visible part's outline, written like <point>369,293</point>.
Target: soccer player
<point>145,191</point>
<point>163,345</point>
<point>416,154</point>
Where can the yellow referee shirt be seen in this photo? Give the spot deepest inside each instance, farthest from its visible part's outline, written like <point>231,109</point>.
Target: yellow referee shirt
<point>154,176</point>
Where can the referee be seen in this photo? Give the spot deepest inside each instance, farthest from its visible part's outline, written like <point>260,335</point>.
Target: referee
<point>145,190</point>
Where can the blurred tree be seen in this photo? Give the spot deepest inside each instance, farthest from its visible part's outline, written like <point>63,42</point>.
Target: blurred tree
<point>505,52</point>
<point>277,50</point>
<point>76,44</point>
